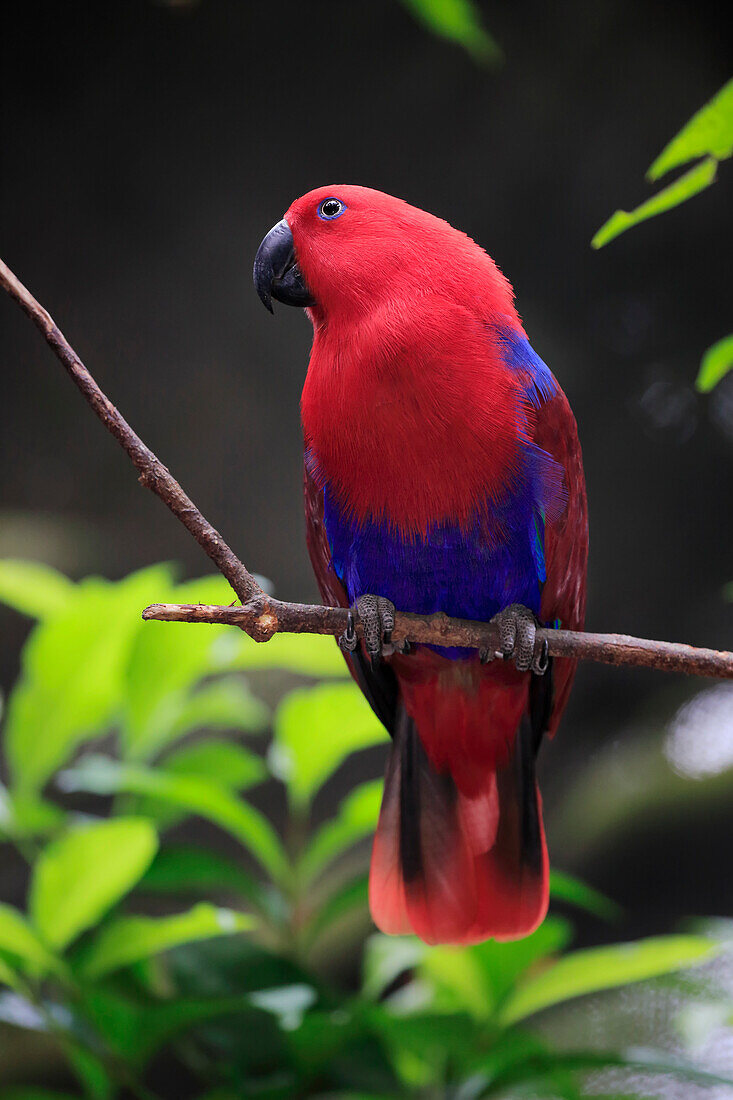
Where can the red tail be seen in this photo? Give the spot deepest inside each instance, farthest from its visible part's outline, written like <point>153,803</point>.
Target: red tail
<point>459,864</point>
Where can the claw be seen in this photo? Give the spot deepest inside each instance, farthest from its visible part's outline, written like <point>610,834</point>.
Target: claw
<point>348,640</point>
<point>517,639</point>
<point>376,615</point>
<point>541,662</point>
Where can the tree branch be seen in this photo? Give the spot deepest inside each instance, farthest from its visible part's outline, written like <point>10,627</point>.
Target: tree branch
<point>439,629</point>
<point>261,616</point>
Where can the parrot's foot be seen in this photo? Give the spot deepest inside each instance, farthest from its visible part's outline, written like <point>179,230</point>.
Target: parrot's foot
<point>376,615</point>
<point>517,640</point>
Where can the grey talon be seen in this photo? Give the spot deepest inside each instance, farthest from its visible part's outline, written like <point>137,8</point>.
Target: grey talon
<point>541,662</point>
<point>348,640</point>
<point>517,635</point>
<point>376,615</point>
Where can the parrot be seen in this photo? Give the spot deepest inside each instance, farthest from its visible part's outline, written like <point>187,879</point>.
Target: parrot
<point>442,473</point>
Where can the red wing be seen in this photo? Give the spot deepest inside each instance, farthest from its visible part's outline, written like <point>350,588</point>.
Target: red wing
<point>566,539</point>
<point>329,584</point>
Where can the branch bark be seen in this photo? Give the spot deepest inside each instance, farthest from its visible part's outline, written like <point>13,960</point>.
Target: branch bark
<point>439,629</point>
<point>261,616</point>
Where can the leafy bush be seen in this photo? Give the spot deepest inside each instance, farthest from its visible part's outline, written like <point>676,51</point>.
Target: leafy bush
<point>148,958</point>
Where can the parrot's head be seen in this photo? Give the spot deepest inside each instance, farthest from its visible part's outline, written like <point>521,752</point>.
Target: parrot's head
<point>342,250</point>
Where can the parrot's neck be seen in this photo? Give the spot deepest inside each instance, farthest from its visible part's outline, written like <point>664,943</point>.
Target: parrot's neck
<point>413,415</point>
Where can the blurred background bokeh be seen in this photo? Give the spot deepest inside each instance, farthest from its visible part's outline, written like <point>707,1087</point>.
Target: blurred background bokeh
<point>146,149</point>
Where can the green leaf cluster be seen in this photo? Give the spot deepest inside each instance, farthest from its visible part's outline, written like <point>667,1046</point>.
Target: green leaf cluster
<point>136,943</point>
<point>708,135</point>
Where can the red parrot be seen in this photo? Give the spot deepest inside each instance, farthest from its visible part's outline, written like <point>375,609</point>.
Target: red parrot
<point>443,472</point>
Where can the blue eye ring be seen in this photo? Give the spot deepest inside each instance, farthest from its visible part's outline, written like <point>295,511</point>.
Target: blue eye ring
<point>337,209</point>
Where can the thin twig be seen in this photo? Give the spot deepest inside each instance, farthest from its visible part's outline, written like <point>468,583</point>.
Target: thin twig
<point>261,616</point>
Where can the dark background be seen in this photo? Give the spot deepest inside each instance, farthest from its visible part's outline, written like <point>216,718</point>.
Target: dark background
<point>147,148</point>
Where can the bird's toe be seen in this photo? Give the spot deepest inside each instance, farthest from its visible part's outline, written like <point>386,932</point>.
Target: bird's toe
<point>517,639</point>
<point>377,617</point>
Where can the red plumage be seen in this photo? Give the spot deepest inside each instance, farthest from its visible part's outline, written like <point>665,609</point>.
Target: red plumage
<point>413,418</point>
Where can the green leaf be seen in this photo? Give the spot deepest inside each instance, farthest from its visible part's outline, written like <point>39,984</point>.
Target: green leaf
<point>716,362</point>
<point>18,940</point>
<point>118,1017</point>
<point>7,976</point>
<point>80,876</point>
<point>514,1048</point>
<point>71,686</point>
<point>709,132</point>
<point>231,965</point>
<point>26,814</point>
<point>315,655</point>
<point>167,662</point>
<point>567,888</point>
<point>127,940</point>
<point>353,895</point>
<point>691,183</point>
<point>356,818</point>
<point>34,589</point>
<point>315,730</point>
<point>457,21</point>
<point>424,1046</point>
<point>185,869</point>
<point>137,1031</point>
<point>198,796</point>
<point>66,1027</point>
<point>225,704</point>
<point>594,969</point>
<point>477,979</point>
<point>541,1066</point>
<point>329,1040</point>
<point>90,1071</point>
<point>458,982</point>
<point>223,761</point>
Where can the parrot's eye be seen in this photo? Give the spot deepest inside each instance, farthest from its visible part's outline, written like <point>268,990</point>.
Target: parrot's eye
<point>330,209</point>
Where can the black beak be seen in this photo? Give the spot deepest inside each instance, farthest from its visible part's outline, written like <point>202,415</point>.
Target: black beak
<point>276,273</point>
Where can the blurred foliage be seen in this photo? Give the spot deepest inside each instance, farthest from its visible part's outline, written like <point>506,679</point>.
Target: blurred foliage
<point>716,362</point>
<point>135,941</point>
<point>708,135</point>
<point>458,21</point>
